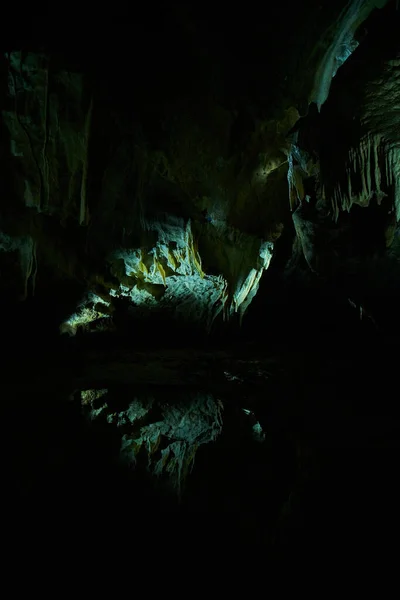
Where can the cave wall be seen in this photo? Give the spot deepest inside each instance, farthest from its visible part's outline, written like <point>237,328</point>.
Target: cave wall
<point>177,167</point>
<point>362,113</point>
<point>344,174</point>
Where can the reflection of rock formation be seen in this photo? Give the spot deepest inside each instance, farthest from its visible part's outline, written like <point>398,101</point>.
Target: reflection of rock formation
<point>161,436</point>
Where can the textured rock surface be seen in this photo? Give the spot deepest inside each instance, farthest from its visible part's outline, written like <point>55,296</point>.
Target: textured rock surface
<point>162,436</point>
<point>169,198</point>
<point>185,183</point>
<point>346,157</point>
<point>367,124</point>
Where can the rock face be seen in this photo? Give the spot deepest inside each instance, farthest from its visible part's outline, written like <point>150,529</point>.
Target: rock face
<point>367,125</point>
<point>48,121</point>
<point>165,192</point>
<point>150,207</point>
<point>347,156</point>
<point>165,436</point>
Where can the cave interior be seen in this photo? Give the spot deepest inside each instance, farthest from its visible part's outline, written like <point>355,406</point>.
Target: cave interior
<point>200,274</point>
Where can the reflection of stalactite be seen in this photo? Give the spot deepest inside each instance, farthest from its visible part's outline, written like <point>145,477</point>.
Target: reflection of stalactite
<point>83,213</point>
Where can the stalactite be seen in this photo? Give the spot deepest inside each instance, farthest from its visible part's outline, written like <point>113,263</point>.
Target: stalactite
<point>365,165</point>
<point>45,160</point>
<point>27,257</point>
<point>83,213</point>
<point>290,179</point>
<point>377,173</point>
<point>34,274</point>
